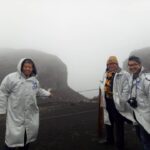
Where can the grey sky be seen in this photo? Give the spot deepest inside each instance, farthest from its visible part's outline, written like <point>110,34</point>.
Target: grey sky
<point>83,33</point>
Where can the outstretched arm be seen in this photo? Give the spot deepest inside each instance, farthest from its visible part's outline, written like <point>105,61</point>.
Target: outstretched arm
<point>43,92</point>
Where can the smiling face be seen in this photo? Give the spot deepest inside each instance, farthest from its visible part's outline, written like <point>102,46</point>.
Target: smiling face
<point>134,67</point>
<point>27,69</point>
<point>112,67</point>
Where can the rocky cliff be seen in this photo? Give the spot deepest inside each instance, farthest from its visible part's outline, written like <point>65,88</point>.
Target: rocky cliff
<point>52,72</point>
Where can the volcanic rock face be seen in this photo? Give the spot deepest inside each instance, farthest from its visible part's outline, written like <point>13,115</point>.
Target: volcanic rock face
<point>52,72</point>
<point>143,54</point>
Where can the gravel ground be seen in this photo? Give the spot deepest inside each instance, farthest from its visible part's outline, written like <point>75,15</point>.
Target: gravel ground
<point>69,126</point>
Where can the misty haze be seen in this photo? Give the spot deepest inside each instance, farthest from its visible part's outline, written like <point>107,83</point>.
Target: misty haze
<point>83,34</point>
<point>70,42</point>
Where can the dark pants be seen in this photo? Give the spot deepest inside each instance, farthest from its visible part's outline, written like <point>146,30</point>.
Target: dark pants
<point>25,147</point>
<point>117,125</point>
<point>137,130</point>
<point>145,138</point>
<point>143,135</point>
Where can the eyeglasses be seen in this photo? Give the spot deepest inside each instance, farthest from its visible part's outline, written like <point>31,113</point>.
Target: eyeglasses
<point>131,65</point>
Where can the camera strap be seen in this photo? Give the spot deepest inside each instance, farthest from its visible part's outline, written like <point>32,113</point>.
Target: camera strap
<point>132,87</point>
<point>135,83</point>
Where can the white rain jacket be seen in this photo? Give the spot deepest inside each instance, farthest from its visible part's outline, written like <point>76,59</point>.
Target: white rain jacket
<point>18,101</point>
<point>141,90</point>
<point>120,96</point>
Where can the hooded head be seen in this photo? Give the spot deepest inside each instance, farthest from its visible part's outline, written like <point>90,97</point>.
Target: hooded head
<point>112,64</point>
<point>27,67</point>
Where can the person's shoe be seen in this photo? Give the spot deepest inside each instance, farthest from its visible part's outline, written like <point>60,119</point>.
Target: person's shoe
<point>105,142</point>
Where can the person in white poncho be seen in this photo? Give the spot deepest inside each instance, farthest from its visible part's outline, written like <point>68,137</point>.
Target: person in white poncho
<point>115,89</point>
<point>18,93</point>
<point>139,98</point>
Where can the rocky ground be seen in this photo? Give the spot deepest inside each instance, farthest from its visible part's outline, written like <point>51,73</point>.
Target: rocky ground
<point>71,126</point>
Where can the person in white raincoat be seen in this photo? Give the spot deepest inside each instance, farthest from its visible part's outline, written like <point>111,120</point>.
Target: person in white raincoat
<point>116,110</point>
<point>18,93</point>
<point>139,99</point>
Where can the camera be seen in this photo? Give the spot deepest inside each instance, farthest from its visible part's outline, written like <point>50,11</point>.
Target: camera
<point>132,101</point>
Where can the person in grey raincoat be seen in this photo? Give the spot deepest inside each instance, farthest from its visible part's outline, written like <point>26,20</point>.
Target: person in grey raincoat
<point>139,98</point>
<point>114,89</point>
<point>18,93</point>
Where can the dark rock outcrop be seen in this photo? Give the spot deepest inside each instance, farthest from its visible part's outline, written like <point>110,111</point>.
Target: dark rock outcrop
<point>52,72</point>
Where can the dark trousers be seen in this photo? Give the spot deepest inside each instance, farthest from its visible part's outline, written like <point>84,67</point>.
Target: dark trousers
<point>143,135</point>
<point>117,128</point>
<point>145,138</point>
<point>137,130</point>
<point>115,131</point>
<point>25,147</point>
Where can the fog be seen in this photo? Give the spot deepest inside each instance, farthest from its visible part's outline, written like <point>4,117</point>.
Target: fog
<point>83,33</point>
